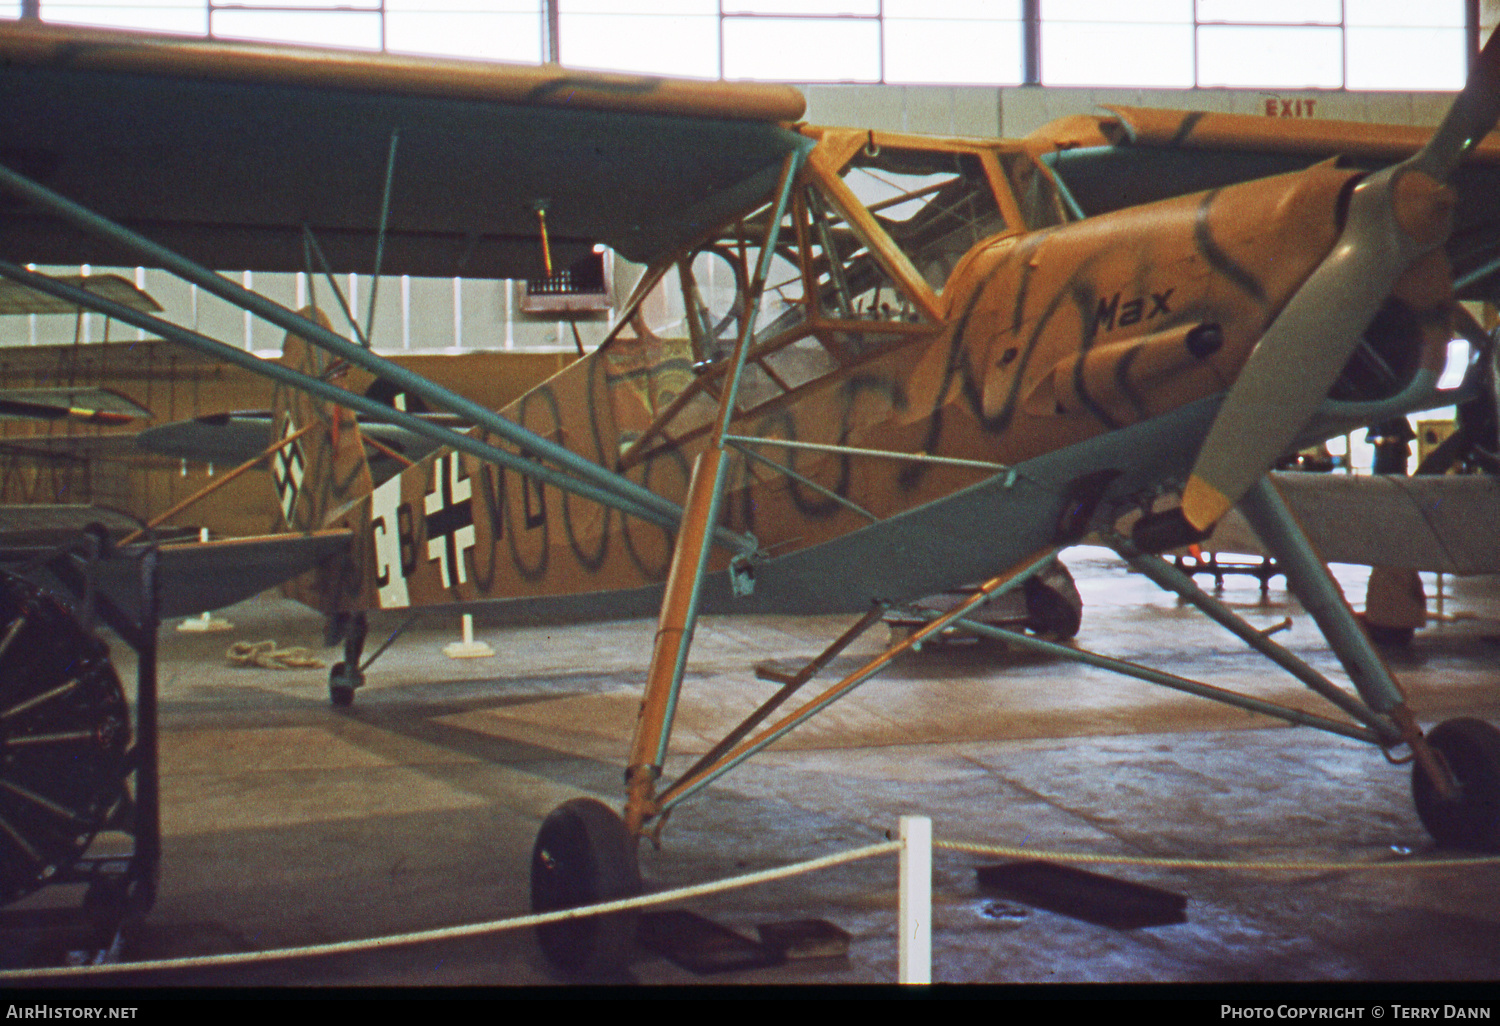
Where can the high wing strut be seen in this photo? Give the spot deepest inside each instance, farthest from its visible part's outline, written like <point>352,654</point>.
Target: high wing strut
<point>470,444</point>
<point>679,606</point>
<point>583,477</point>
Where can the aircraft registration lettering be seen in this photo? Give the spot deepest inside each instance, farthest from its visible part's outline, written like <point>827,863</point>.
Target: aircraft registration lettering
<point>390,569</point>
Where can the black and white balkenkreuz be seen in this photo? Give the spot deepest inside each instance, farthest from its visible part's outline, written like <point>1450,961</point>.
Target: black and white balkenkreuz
<point>287,469</point>
<point>450,519</point>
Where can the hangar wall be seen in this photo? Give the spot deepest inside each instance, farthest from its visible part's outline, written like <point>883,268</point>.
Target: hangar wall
<point>1013,112</point>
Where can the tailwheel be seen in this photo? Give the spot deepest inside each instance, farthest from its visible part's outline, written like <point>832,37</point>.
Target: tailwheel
<point>347,674</point>
<point>1470,819</point>
<point>341,684</point>
<point>64,731</point>
<point>584,855</point>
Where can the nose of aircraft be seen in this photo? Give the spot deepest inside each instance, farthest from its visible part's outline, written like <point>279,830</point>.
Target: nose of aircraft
<point>1395,217</point>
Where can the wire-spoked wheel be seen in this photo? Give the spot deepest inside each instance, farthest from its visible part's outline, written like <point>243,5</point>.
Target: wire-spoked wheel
<point>1471,818</point>
<point>64,731</point>
<point>584,855</point>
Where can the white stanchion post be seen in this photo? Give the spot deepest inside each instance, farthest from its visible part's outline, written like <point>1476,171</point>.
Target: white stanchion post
<point>468,648</point>
<point>914,961</point>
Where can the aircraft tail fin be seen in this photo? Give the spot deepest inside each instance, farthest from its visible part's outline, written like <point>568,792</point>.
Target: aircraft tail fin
<point>322,478</point>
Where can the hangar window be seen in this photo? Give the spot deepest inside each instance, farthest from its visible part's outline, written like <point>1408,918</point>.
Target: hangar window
<point>1328,44</point>
<point>1271,56</point>
<point>802,49</point>
<point>347,26</point>
<point>960,42</point>
<point>504,30</point>
<point>160,16</point>
<point>659,37</point>
<point>1322,44</point>
<point>1097,43</point>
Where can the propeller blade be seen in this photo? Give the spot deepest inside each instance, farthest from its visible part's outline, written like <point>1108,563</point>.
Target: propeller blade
<point>1394,217</point>
<point>1470,119</point>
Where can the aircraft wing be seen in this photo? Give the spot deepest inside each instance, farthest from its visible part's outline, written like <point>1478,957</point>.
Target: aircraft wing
<point>1441,523</point>
<point>178,138</point>
<point>1448,523</point>
<point>38,524</point>
<point>197,576</point>
<point>1134,155</point>
<point>60,449</point>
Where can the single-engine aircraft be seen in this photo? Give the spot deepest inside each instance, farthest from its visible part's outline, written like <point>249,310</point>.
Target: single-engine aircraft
<point>860,367</point>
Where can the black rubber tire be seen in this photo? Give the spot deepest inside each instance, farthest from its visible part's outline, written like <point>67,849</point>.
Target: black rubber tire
<point>1390,637</point>
<point>1054,608</point>
<point>108,902</point>
<point>1471,748</point>
<point>583,855</point>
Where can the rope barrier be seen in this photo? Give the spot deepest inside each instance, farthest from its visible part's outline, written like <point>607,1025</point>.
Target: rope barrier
<point>731,883</point>
<point>458,932</point>
<point>1001,851</point>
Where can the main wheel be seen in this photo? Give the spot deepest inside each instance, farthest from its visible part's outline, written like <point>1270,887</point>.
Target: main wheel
<point>1470,819</point>
<point>584,855</point>
<point>1054,607</point>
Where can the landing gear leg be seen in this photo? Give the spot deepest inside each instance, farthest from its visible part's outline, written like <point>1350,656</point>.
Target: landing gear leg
<point>346,676</point>
<point>584,855</point>
<point>1456,771</point>
<point>585,852</point>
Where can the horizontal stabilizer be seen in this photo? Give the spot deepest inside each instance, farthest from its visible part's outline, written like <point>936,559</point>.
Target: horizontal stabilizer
<point>233,438</point>
<point>66,449</point>
<point>227,438</point>
<point>198,576</point>
<point>192,577</point>
<point>39,524</point>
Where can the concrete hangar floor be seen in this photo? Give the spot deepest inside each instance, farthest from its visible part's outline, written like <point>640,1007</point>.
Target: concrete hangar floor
<point>287,823</point>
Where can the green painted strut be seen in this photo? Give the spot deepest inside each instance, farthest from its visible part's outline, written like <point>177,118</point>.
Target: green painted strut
<point>1176,581</point>
<point>1168,680</point>
<point>330,393</point>
<point>157,255</point>
<point>715,460</point>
